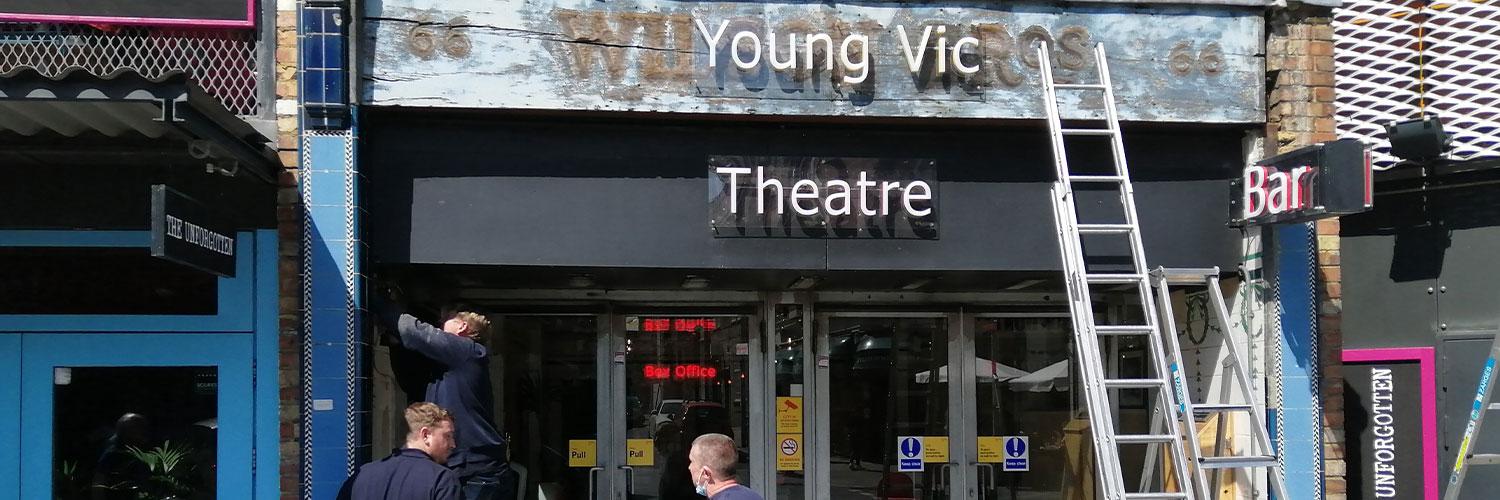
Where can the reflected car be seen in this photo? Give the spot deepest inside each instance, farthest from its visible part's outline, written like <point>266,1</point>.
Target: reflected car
<point>665,412</point>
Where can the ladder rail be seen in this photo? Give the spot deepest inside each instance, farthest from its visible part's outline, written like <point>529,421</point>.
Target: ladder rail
<point>1186,417</point>
<point>1466,457</point>
<point>1087,331</point>
<point>1082,312</point>
<point>1257,411</point>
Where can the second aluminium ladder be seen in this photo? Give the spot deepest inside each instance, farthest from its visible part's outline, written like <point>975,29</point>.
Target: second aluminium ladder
<point>1261,454</point>
<point>1098,390</point>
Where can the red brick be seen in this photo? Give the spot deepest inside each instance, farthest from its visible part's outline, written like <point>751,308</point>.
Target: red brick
<point>1328,258</point>
<point>1329,274</point>
<point>1320,48</point>
<point>1323,94</point>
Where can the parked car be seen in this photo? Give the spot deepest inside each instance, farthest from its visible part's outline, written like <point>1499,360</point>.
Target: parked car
<point>665,412</point>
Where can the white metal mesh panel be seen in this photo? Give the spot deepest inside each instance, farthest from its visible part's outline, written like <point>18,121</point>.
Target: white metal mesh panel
<point>1375,70</point>
<point>222,62</point>
<point>1394,56</point>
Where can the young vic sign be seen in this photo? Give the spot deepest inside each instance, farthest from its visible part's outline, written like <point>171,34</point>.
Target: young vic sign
<point>1324,180</point>
<point>801,197</point>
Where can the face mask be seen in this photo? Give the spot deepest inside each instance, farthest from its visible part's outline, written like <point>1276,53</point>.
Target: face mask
<point>700,488</point>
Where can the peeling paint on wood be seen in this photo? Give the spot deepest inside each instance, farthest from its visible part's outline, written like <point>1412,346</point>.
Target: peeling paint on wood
<point>1169,63</point>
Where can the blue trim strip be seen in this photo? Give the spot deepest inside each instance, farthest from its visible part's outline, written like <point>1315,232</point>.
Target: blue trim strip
<point>226,351</point>
<point>1301,422</point>
<point>74,238</point>
<point>235,294</point>
<point>267,367</point>
<point>10,416</point>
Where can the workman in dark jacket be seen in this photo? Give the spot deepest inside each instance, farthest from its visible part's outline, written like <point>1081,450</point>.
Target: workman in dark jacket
<point>461,384</point>
<point>414,472</point>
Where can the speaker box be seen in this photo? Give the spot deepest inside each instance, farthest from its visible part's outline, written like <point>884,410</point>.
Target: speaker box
<point>1418,140</point>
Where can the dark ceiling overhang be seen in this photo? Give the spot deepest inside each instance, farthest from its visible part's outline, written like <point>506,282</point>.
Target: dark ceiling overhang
<point>123,119</point>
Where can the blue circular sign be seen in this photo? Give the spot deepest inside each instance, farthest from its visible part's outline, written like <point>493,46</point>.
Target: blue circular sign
<point>1015,447</point>
<point>910,447</point>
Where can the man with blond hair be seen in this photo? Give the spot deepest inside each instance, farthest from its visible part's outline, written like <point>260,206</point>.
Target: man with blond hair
<point>711,462</point>
<point>461,383</point>
<point>415,471</point>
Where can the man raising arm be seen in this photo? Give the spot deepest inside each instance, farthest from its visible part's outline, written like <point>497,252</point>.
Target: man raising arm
<point>462,385</point>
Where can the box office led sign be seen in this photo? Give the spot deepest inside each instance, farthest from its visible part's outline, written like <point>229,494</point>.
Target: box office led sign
<point>1315,182</point>
<point>188,233</point>
<point>807,197</point>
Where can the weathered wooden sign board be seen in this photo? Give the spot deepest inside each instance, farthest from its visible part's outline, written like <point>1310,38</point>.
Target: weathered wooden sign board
<point>950,59</point>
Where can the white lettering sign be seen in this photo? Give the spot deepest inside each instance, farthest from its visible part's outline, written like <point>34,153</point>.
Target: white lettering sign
<point>1269,191</point>
<point>1382,386</point>
<point>808,198</point>
<point>746,48</point>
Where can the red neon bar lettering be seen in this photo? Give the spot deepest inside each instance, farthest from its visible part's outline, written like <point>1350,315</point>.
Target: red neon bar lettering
<point>680,372</point>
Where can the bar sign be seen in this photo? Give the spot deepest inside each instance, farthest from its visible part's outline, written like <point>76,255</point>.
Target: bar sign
<point>188,233</point>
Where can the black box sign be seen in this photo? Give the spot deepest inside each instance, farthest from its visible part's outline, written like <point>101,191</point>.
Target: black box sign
<point>806,197</point>
<point>1315,182</point>
<point>187,232</point>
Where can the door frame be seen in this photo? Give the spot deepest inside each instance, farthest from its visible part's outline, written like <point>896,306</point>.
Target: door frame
<point>615,476</point>
<point>959,478</point>
<point>42,352</point>
<point>10,415</point>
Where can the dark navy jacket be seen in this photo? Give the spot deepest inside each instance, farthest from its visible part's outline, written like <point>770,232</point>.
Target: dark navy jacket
<point>408,474</point>
<point>461,386</point>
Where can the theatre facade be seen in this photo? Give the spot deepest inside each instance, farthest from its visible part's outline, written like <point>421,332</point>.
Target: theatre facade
<point>821,229</point>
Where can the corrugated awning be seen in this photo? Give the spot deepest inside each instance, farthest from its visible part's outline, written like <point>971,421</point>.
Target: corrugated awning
<point>126,106</point>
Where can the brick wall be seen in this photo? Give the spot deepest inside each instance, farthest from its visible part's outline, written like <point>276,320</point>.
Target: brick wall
<point>1299,70</point>
<point>289,225</point>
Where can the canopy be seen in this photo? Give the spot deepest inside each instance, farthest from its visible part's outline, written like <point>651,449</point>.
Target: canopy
<point>984,370</point>
<point>1052,378</point>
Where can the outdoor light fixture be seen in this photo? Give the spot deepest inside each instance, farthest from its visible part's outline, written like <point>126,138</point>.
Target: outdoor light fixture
<point>919,283</point>
<point>1418,140</point>
<point>692,282</point>
<point>581,281</point>
<point>804,283</point>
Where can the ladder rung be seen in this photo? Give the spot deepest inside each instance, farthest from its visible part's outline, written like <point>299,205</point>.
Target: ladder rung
<point>1494,406</point>
<point>1187,275</point>
<point>1485,459</point>
<point>1088,131</point>
<point>1144,438</point>
<point>1079,86</point>
<point>1237,462</point>
<point>1156,495</point>
<point>1134,383</point>
<point>1105,228</point>
<point>1216,407</point>
<point>1121,279</point>
<point>1096,178</point>
<point>1124,329</point>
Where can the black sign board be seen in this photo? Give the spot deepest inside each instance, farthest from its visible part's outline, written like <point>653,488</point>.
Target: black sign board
<point>1383,429</point>
<point>187,232</point>
<point>806,197</point>
<point>1315,182</point>
<point>201,13</point>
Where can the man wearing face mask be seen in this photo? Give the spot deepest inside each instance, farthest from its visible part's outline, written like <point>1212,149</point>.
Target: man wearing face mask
<point>712,461</point>
<point>415,471</point>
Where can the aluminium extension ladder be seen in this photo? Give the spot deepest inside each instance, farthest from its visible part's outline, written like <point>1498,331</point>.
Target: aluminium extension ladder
<point>1097,389</point>
<point>1466,457</point>
<point>1261,454</point>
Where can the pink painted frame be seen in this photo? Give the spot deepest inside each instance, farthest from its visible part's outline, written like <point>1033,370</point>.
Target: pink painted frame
<point>1426,364</point>
<point>247,22</point>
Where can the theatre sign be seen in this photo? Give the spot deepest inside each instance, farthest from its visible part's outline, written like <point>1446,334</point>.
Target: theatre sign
<point>1180,63</point>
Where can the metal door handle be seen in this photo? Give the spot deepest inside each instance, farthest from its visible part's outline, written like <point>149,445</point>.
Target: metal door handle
<point>629,479</point>
<point>941,483</point>
<point>593,475</point>
<point>985,471</point>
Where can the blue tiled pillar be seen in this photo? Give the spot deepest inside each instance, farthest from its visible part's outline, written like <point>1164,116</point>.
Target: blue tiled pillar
<point>334,408</point>
<point>334,377</point>
<point>1301,435</point>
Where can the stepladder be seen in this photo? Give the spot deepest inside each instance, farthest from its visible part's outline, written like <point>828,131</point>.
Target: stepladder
<point>1090,244</point>
<point>1468,456</point>
<point>1237,399</point>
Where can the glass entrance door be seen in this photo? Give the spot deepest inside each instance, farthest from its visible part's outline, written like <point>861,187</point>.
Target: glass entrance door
<point>684,376</point>
<point>889,405</point>
<point>550,402</point>
<point>128,416</point>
